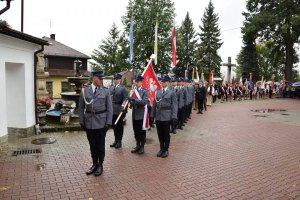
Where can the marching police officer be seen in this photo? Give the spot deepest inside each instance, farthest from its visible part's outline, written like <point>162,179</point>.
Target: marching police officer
<point>165,112</point>
<point>181,100</point>
<point>119,94</point>
<point>95,114</point>
<point>137,103</point>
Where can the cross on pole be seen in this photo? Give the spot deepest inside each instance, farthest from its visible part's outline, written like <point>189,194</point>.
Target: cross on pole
<point>229,65</point>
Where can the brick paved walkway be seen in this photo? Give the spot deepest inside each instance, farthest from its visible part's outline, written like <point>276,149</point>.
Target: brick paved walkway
<point>227,153</point>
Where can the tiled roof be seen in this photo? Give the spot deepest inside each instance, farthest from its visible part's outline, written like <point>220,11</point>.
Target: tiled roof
<point>23,36</point>
<point>58,49</point>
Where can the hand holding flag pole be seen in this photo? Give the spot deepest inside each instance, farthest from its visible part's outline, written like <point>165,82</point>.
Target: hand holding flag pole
<point>124,106</point>
<point>126,102</point>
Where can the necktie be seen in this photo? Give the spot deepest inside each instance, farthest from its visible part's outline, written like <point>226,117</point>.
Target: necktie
<point>95,91</point>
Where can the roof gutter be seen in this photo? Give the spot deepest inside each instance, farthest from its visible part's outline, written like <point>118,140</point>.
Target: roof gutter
<point>6,8</point>
<point>35,87</point>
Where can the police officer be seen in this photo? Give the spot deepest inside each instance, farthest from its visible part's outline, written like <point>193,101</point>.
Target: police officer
<point>174,88</point>
<point>165,112</point>
<point>95,114</point>
<point>119,94</point>
<point>138,103</point>
<point>181,100</point>
<point>200,96</point>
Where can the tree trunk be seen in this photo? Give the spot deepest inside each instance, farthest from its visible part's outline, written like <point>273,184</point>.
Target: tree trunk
<point>289,60</point>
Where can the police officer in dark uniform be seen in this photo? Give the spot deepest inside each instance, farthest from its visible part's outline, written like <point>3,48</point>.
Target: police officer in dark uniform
<point>119,94</point>
<point>95,114</point>
<point>165,112</point>
<point>138,103</point>
<point>174,88</point>
<point>200,96</point>
<point>181,100</point>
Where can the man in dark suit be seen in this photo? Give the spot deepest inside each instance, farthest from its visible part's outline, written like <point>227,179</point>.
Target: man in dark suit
<point>95,114</point>
<point>119,94</point>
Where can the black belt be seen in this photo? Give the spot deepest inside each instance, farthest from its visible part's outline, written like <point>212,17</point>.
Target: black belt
<point>96,112</point>
<point>165,108</point>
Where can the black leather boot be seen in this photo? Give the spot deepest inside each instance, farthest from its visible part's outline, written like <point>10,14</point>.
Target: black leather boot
<point>92,169</point>
<point>165,154</point>
<point>118,145</point>
<point>137,148</point>
<point>99,170</point>
<point>159,153</point>
<point>113,144</point>
<point>141,150</point>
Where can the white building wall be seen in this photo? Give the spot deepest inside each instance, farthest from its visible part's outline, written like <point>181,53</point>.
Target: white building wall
<point>16,62</point>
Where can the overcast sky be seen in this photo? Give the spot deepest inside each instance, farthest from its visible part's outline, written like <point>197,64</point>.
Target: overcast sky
<point>83,24</point>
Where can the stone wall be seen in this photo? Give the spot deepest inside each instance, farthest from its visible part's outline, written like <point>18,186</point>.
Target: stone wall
<point>21,132</point>
<point>49,87</point>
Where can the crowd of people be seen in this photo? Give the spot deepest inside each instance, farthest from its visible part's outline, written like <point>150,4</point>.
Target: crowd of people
<point>101,108</point>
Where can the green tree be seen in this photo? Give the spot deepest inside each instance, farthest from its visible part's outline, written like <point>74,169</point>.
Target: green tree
<point>109,55</point>
<point>247,59</point>
<point>4,23</point>
<point>144,13</point>
<point>186,46</point>
<point>278,21</point>
<point>207,52</point>
<point>270,60</point>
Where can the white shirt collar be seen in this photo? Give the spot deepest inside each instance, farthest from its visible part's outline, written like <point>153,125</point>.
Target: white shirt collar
<point>94,87</point>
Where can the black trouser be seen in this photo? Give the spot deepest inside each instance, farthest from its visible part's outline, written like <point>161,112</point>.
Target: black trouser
<point>200,104</point>
<point>270,93</point>
<point>163,132</point>
<point>118,128</point>
<point>190,109</point>
<point>96,138</point>
<point>180,117</point>
<point>184,111</point>
<point>151,119</point>
<point>139,133</point>
<point>250,92</point>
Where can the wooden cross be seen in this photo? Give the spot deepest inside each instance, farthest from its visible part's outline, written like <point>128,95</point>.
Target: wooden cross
<point>229,65</point>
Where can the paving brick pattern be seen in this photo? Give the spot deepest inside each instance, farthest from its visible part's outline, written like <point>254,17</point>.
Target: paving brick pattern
<point>226,153</point>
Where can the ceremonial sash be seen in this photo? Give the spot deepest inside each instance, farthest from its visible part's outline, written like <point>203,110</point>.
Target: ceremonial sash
<point>146,116</point>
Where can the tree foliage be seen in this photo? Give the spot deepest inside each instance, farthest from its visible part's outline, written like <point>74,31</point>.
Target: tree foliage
<point>276,21</point>
<point>109,56</point>
<point>186,47</point>
<point>144,13</point>
<point>207,52</point>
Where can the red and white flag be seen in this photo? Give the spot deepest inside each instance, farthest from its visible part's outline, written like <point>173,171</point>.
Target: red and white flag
<point>173,47</point>
<point>151,83</point>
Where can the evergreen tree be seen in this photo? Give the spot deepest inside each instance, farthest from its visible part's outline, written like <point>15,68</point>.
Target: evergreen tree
<point>207,52</point>
<point>109,55</point>
<point>278,21</point>
<point>186,45</point>
<point>144,13</point>
<point>247,59</point>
